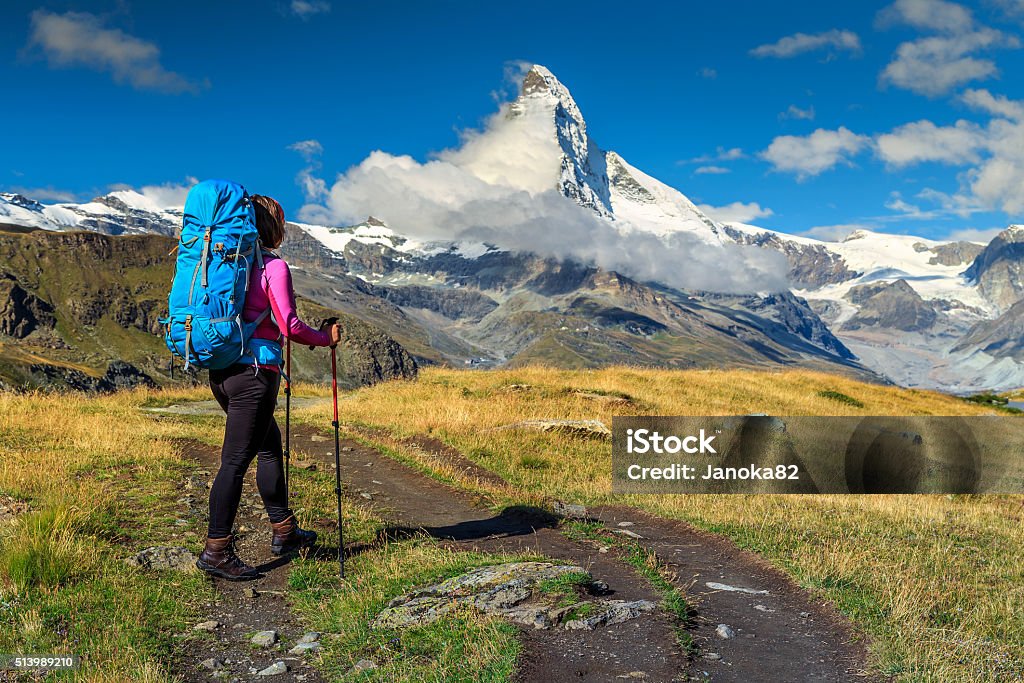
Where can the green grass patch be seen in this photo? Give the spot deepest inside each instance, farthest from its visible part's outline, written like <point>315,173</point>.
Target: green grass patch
<point>647,565</point>
<point>840,397</point>
<point>534,462</point>
<point>461,647</point>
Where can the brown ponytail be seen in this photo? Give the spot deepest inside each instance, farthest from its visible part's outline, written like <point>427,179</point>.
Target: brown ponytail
<point>269,220</point>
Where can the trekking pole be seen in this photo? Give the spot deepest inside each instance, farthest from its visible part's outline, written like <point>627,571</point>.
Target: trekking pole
<point>287,418</point>
<point>337,460</point>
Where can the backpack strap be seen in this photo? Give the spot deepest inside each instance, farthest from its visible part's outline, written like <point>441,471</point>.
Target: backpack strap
<point>205,262</point>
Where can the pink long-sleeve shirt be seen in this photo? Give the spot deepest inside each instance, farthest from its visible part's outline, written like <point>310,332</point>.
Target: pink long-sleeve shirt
<point>272,285</point>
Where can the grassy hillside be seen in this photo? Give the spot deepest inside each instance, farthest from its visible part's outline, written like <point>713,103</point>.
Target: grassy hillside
<point>78,301</point>
<point>935,581</point>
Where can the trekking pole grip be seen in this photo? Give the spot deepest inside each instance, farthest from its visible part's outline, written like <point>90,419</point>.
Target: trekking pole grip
<point>326,322</point>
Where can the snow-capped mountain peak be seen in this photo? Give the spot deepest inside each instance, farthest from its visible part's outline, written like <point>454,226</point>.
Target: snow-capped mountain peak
<point>539,82</point>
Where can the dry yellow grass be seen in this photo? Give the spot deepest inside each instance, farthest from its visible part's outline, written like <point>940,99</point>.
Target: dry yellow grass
<point>86,465</point>
<point>935,580</point>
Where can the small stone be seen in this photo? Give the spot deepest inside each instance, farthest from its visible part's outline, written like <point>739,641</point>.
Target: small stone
<point>712,656</point>
<point>264,639</point>
<point>626,532</point>
<point>251,592</point>
<point>363,665</point>
<point>715,586</point>
<point>635,675</point>
<point>725,632</point>
<point>304,648</point>
<point>208,626</point>
<point>165,557</point>
<point>570,510</point>
<point>310,637</point>
<point>346,449</point>
<point>212,664</point>
<point>603,549</point>
<point>366,495</point>
<point>317,437</point>
<point>762,608</point>
<point>805,615</point>
<point>378,483</point>
<point>625,524</point>
<point>275,669</point>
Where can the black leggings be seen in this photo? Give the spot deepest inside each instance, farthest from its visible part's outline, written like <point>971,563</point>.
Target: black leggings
<point>249,399</point>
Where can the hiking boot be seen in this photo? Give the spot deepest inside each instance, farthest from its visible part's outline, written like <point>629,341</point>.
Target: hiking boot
<point>219,559</point>
<point>288,537</point>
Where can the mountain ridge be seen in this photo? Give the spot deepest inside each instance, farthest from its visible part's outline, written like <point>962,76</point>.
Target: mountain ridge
<point>461,301</point>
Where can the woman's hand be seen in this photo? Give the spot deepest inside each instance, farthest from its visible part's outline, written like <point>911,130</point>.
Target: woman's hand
<point>333,330</point>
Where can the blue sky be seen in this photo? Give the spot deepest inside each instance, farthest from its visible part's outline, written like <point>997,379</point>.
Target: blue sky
<point>900,116</point>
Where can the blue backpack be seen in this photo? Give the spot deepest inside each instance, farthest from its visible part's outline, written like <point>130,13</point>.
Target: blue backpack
<point>217,250</point>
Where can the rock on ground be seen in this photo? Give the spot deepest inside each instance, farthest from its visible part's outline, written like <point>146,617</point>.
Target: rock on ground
<point>589,429</point>
<point>725,632</point>
<point>363,665</point>
<point>510,591</point>
<point>611,612</point>
<point>275,669</point>
<point>165,557</point>
<point>264,639</point>
<point>208,626</point>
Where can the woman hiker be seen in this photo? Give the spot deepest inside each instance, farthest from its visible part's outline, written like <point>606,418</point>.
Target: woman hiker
<point>247,391</point>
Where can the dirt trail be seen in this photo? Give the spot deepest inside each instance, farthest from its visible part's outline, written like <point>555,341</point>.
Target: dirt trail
<point>242,608</point>
<point>780,636</point>
<point>416,503</point>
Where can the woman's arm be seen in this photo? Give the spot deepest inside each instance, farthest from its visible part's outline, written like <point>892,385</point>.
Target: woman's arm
<point>278,281</point>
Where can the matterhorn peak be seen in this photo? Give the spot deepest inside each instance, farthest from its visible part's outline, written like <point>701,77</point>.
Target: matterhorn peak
<point>540,83</point>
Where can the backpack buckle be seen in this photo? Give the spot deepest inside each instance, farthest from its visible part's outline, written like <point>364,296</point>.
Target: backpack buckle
<point>188,323</point>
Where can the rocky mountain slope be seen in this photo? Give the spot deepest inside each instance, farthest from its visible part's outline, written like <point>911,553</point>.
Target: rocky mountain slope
<point>918,312</point>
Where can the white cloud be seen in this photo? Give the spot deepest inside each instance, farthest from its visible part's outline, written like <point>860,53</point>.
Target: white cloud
<point>168,194</point>
<point>935,15</point>
<point>997,105</point>
<point>712,170</point>
<point>307,8</point>
<point>721,154</point>
<point>921,141</point>
<point>936,64</point>
<point>1014,8</point>
<point>80,39</point>
<point>500,186</point>
<point>994,155</point>
<point>737,212</point>
<point>313,188</point>
<point>795,112</point>
<point>833,233</point>
<point>708,73</point>
<point>983,235</point>
<point>44,194</point>
<point>307,148</point>
<point>163,196</point>
<point>798,43</point>
<point>813,154</point>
